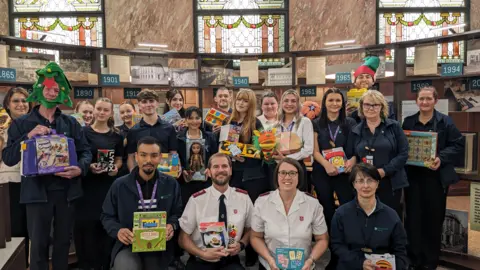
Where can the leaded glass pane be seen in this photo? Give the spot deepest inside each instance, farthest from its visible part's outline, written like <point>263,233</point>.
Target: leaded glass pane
<point>239,4</point>
<point>56,5</point>
<point>421,3</point>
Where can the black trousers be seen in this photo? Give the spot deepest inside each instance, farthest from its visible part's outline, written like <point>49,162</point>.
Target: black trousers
<point>39,223</point>
<point>228,263</point>
<point>18,216</point>
<point>392,198</point>
<point>425,201</point>
<point>93,246</point>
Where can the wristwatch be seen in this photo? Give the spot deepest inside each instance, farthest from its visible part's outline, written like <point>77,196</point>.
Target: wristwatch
<point>242,246</point>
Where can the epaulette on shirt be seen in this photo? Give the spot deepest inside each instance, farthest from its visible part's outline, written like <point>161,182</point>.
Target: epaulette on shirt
<point>311,195</point>
<point>201,192</point>
<point>241,191</point>
<point>264,194</point>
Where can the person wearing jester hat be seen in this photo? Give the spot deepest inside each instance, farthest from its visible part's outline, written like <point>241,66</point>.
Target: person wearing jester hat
<point>49,197</point>
<point>364,79</point>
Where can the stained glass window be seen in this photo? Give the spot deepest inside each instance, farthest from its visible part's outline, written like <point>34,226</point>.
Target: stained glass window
<point>85,30</point>
<point>404,25</point>
<point>242,33</point>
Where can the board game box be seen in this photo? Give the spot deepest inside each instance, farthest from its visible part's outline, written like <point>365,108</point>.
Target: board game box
<point>422,147</point>
<point>214,234</point>
<point>215,117</point>
<point>169,164</point>
<point>149,231</point>
<point>290,258</point>
<point>47,154</point>
<point>106,159</point>
<point>336,156</point>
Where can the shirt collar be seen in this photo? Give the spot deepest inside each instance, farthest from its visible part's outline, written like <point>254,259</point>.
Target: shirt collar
<point>142,181</point>
<point>430,122</point>
<point>36,113</point>
<point>216,194</point>
<point>145,124</point>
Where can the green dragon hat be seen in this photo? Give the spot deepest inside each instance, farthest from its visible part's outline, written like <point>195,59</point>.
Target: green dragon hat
<point>369,67</point>
<point>47,76</point>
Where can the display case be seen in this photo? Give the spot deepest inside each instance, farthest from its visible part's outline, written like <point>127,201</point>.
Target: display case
<point>469,163</point>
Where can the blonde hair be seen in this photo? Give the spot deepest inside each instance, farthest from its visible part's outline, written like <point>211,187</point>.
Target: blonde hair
<point>281,114</point>
<point>250,119</point>
<point>378,98</point>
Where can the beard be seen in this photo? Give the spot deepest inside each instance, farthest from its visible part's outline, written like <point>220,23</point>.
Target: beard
<point>148,170</point>
<point>221,182</point>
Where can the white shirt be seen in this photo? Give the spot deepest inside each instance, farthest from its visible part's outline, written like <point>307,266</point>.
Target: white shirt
<point>203,207</point>
<point>267,124</point>
<point>7,173</point>
<point>295,230</point>
<point>305,132</point>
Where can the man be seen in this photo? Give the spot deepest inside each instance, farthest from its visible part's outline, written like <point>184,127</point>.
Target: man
<point>144,189</point>
<point>150,125</point>
<point>222,99</point>
<point>218,203</point>
<point>364,78</point>
<point>49,197</point>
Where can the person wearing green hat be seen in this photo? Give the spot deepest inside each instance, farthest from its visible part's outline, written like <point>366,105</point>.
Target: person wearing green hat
<point>49,197</point>
<point>364,78</point>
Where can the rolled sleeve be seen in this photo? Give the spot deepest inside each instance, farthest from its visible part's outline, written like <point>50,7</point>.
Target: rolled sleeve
<point>188,220</point>
<point>319,226</point>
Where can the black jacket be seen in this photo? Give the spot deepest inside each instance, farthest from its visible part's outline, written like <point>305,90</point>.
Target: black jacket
<point>33,189</point>
<point>450,145</point>
<point>122,201</point>
<point>395,167</point>
<point>353,230</point>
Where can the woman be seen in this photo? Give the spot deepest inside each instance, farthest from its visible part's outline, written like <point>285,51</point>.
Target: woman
<point>126,109</point>
<point>287,218</point>
<point>383,231</point>
<point>381,142</point>
<point>291,120</point>
<point>193,118</point>
<point>248,173</point>
<point>331,130</point>
<point>16,105</point>
<point>86,109</point>
<point>426,196</point>
<point>269,110</point>
<point>92,244</point>
<point>175,100</point>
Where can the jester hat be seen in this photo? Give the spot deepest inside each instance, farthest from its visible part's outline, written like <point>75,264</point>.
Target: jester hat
<point>47,76</point>
<point>369,67</point>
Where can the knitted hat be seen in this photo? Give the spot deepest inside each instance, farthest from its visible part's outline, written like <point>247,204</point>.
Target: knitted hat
<point>369,67</point>
<point>48,76</point>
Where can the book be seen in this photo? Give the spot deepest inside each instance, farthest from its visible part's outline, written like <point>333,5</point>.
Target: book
<point>79,118</point>
<point>230,133</point>
<point>382,261</point>
<point>169,164</point>
<point>216,117</point>
<point>149,231</point>
<point>288,143</point>
<point>172,117</point>
<point>106,159</point>
<point>214,234</point>
<point>290,258</point>
<point>422,147</point>
<point>196,159</point>
<point>336,156</point>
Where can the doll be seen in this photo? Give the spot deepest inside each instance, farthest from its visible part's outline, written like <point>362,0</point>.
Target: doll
<point>196,157</point>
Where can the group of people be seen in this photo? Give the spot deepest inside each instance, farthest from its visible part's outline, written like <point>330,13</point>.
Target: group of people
<point>269,205</point>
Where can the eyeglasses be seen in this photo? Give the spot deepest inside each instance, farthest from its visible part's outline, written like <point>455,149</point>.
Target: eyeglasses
<point>19,100</point>
<point>368,181</point>
<point>368,106</point>
<point>290,174</point>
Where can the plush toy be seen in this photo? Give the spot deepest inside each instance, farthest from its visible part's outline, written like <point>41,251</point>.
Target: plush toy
<point>265,141</point>
<point>310,109</point>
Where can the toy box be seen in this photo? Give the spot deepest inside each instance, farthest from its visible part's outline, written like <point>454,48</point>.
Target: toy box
<point>215,117</point>
<point>149,231</point>
<point>336,156</point>
<point>422,147</point>
<point>214,234</point>
<point>382,261</point>
<point>169,164</point>
<point>290,258</point>
<point>106,159</point>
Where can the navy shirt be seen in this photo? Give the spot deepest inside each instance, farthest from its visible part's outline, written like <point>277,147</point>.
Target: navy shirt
<point>162,131</point>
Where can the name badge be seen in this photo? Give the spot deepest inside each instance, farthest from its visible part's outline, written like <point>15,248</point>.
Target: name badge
<point>369,159</point>
<point>366,250</point>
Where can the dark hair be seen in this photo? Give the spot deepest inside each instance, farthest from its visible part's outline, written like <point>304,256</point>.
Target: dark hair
<point>428,88</point>
<point>323,118</point>
<point>148,140</point>
<point>170,95</point>
<point>147,94</point>
<point>268,94</point>
<point>201,149</point>
<point>366,169</point>
<point>9,95</point>
<point>110,121</point>
<point>222,89</point>
<point>295,164</point>
<point>128,102</point>
<point>216,155</point>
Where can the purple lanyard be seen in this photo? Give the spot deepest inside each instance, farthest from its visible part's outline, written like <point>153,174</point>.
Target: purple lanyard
<point>142,201</point>
<point>333,136</point>
<point>290,127</point>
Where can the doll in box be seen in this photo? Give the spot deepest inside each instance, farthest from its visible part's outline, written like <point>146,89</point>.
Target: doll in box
<point>196,162</point>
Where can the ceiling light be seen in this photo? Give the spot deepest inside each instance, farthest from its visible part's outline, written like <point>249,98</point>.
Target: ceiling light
<point>339,42</point>
<point>152,45</point>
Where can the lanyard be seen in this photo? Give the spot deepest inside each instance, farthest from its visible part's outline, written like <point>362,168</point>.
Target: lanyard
<point>371,142</point>
<point>289,128</point>
<point>333,136</point>
<point>142,201</point>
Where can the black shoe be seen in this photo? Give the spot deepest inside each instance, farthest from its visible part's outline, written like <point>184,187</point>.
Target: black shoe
<point>249,262</point>
<point>177,264</point>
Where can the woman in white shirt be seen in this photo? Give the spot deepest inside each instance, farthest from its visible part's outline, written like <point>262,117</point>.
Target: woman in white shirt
<point>269,110</point>
<point>287,218</point>
<point>291,120</point>
<point>16,105</point>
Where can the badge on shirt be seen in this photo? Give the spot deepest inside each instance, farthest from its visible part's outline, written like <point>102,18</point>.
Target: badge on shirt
<point>235,211</point>
<point>369,159</point>
<point>366,250</point>
<point>301,218</point>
